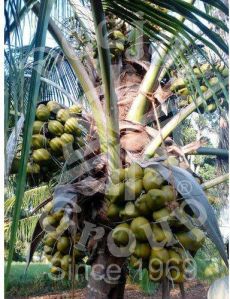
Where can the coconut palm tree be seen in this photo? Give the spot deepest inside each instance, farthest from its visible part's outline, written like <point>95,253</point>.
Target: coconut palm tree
<point>140,68</point>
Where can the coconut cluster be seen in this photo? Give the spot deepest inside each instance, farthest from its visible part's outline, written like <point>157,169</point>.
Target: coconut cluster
<point>54,129</point>
<point>116,37</point>
<point>206,78</point>
<point>59,245</point>
<point>141,202</point>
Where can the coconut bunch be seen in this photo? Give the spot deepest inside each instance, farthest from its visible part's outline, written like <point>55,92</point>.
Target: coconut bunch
<point>116,36</point>
<point>140,201</point>
<point>204,74</point>
<point>55,129</point>
<point>59,243</point>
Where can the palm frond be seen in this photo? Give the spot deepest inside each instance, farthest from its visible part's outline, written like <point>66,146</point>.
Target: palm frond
<point>42,26</point>
<point>83,15</point>
<point>83,77</point>
<point>187,9</point>
<point>166,21</point>
<point>31,199</point>
<point>179,49</point>
<point>218,4</point>
<point>25,229</point>
<point>177,119</point>
<point>59,82</point>
<point>12,146</point>
<point>15,22</point>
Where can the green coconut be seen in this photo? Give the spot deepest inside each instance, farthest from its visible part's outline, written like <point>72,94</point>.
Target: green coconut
<point>42,113</point>
<point>55,128</point>
<point>39,141</point>
<point>41,155</point>
<point>63,115</point>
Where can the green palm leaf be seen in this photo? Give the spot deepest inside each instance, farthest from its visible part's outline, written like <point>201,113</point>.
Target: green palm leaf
<point>25,228</point>
<point>31,199</point>
<point>137,8</point>
<point>11,145</point>
<point>218,4</point>
<point>16,21</point>
<point>82,75</point>
<point>43,20</point>
<point>184,8</point>
<point>186,12</point>
<point>178,118</point>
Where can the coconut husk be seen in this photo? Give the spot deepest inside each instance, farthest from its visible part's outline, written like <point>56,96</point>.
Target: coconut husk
<point>141,66</point>
<point>134,137</point>
<point>126,94</point>
<point>134,141</point>
<point>127,87</point>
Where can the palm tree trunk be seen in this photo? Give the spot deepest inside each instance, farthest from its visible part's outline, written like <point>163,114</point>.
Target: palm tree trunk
<point>182,291</point>
<point>165,288</point>
<point>108,275</point>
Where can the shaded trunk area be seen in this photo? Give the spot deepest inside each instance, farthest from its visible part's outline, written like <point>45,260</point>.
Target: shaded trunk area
<point>108,276</point>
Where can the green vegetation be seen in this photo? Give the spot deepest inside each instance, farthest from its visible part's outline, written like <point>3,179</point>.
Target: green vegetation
<point>36,281</point>
<point>209,264</point>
